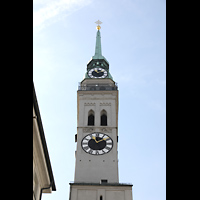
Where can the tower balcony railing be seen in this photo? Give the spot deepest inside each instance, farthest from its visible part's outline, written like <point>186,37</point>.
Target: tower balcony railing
<point>97,87</point>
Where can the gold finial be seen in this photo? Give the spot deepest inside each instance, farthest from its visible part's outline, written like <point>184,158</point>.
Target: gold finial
<point>98,22</point>
<point>98,27</point>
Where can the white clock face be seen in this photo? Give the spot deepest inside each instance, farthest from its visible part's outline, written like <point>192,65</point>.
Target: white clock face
<point>97,73</point>
<point>97,143</point>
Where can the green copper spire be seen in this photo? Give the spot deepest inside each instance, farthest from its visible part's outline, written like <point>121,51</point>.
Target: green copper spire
<point>98,60</point>
<point>98,52</point>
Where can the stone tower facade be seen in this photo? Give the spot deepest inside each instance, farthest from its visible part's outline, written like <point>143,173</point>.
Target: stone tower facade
<point>96,170</point>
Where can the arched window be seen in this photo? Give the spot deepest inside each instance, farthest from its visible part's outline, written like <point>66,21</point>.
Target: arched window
<point>91,118</point>
<point>101,198</point>
<point>103,118</point>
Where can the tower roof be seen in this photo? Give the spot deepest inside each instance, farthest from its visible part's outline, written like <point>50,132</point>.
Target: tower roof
<point>98,60</point>
<point>98,51</point>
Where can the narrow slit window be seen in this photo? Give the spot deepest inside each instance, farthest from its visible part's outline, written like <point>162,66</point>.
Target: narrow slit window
<point>101,198</point>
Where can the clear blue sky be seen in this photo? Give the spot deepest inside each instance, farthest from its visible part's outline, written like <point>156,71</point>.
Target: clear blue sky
<point>133,37</point>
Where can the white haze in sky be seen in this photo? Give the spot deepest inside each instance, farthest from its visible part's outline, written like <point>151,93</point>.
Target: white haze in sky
<point>48,11</point>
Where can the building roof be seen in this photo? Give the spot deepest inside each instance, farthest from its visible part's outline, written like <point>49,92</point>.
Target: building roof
<point>98,60</point>
<point>44,145</point>
<point>98,51</point>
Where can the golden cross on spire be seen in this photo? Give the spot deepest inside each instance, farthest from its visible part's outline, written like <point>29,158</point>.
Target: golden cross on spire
<point>98,22</point>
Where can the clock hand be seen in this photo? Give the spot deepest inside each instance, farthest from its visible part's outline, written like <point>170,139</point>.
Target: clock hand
<point>105,138</point>
<point>94,138</point>
<point>98,71</point>
<point>102,139</point>
<point>101,71</point>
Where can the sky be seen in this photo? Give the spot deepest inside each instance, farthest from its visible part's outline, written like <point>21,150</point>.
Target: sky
<point>133,39</point>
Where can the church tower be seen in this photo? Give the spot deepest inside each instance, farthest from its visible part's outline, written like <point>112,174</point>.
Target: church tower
<point>96,169</point>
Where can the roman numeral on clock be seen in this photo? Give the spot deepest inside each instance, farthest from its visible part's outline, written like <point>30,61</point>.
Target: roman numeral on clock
<point>108,148</point>
<point>90,151</point>
<point>97,134</point>
<point>86,148</point>
<point>109,142</point>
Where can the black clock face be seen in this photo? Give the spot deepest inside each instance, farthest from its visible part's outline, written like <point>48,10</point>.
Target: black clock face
<point>97,73</point>
<point>97,143</point>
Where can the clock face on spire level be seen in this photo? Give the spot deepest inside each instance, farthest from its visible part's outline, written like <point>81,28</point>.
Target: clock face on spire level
<point>97,73</point>
<point>97,143</point>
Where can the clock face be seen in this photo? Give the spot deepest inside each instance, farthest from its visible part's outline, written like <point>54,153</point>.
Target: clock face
<point>97,73</point>
<point>97,143</point>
